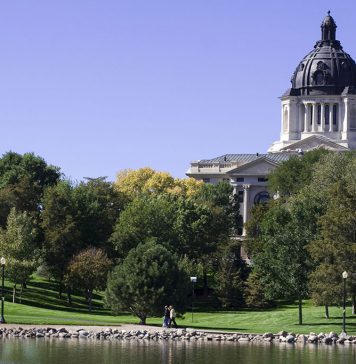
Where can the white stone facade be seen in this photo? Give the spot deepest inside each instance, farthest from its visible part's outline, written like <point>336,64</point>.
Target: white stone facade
<point>330,116</point>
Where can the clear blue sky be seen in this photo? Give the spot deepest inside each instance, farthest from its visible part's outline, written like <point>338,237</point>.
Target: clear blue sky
<point>98,86</point>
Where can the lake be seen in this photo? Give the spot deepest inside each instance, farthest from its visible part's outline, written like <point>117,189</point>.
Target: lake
<point>62,351</point>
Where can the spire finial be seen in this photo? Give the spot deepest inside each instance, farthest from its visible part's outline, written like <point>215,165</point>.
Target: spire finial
<point>329,12</point>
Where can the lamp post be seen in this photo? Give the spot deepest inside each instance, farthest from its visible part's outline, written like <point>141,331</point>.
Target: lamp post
<point>193,280</point>
<point>344,276</point>
<point>2,319</point>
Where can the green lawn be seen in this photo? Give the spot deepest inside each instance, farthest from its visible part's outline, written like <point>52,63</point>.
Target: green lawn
<point>41,305</point>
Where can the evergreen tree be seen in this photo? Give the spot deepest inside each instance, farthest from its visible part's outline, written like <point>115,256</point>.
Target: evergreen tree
<point>148,279</point>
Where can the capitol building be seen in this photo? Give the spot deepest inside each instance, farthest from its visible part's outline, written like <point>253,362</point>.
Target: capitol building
<point>317,111</point>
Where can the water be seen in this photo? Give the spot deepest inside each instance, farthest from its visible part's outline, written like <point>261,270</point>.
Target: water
<point>58,351</point>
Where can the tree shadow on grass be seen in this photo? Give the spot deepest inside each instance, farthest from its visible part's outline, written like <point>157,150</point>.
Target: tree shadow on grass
<point>45,295</point>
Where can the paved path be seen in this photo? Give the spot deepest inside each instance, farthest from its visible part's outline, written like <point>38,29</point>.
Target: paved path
<point>128,327</point>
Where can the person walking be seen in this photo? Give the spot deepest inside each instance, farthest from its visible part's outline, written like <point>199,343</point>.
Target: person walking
<point>166,317</point>
<point>172,315</point>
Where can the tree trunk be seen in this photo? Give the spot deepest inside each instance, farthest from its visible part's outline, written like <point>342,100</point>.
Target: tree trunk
<point>14,294</point>
<point>300,303</point>
<point>354,304</point>
<point>142,320</point>
<point>90,298</point>
<point>327,311</point>
<point>21,293</point>
<point>205,283</point>
<point>24,285</point>
<point>69,297</point>
<point>60,290</point>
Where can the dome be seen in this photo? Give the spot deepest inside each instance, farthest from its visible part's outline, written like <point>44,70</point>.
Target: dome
<point>327,69</point>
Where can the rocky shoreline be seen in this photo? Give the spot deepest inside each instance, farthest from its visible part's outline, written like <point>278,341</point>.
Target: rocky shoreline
<point>173,335</point>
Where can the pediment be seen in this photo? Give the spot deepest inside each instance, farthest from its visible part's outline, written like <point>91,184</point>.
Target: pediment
<point>259,167</point>
<point>315,142</point>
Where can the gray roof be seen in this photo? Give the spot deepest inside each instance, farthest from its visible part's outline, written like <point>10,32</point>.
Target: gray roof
<point>246,158</point>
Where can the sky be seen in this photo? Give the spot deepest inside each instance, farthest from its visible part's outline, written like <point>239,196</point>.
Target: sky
<point>97,86</point>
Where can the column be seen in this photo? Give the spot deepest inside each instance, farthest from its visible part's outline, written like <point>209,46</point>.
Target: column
<point>306,117</point>
<point>322,116</point>
<point>246,207</point>
<point>346,120</point>
<point>314,124</point>
<point>331,117</point>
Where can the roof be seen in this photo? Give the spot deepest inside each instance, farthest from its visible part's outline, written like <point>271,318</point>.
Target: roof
<point>246,158</point>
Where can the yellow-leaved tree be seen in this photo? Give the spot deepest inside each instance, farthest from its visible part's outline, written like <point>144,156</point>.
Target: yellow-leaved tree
<point>132,183</point>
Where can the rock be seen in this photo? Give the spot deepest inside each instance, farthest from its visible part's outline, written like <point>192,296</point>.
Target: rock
<point>267,334</point>
<point>290,338</point>
<point>244,339</point>
<point>313,339</point>
<point>282,333</point>
<point>40,334</point>
<point>302,338</point>
<point>328,340</point>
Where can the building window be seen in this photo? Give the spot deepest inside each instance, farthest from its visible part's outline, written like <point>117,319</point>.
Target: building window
<point>327,115</point>
<point>335,117</point>
<point>285,119</point>
<point>240,179</point>
<point>353,117</point>
<point>311,114</point>
<point>319,114</point>
<point>206,180</point>
<point>262,179</point>
<point>240,196</point>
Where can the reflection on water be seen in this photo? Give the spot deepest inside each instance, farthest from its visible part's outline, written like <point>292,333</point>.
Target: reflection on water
<point>61,351</point>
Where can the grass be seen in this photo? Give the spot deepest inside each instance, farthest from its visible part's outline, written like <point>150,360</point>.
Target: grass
<point>41,305</point>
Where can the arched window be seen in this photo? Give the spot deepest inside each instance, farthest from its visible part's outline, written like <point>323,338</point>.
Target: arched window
<point>261,197</point>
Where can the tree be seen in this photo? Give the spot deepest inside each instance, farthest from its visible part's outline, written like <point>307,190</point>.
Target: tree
<point>18,246</point>
<point>145,217</point>
<point>255,293</point>
<point>23,179</point>
<point>147,280</point>
<point>334,249</point>
<point>148,181</point>
<point>97,207</point>
<point>230,276</point>
<point>223,219</point>
<point>292,175</point>
<point>87,271</point>
<point>61,231</point>
<point>299,235</point>
<point>282,261</point>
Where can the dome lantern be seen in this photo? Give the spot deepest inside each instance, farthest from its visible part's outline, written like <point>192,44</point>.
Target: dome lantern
<point>328,28</point>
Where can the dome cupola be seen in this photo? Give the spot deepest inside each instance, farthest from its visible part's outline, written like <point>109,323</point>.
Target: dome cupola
<point>327,69</point>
